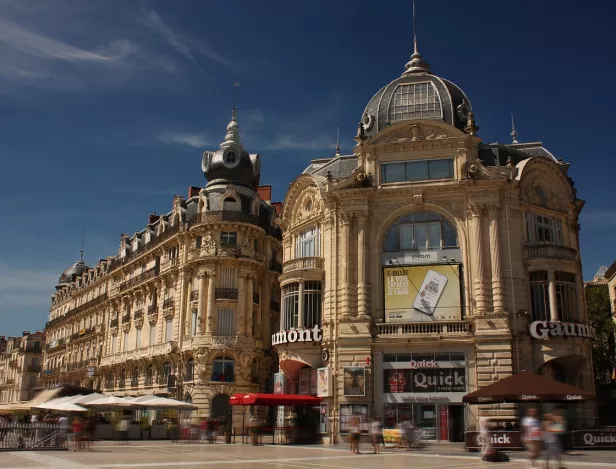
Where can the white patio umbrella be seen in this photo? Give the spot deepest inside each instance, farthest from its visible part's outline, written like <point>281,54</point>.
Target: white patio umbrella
<point>81,399</point>
<point>111,401</point>
<point>163,402</point>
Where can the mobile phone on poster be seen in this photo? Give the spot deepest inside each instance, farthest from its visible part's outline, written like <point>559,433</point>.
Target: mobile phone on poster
<point>430,292</point>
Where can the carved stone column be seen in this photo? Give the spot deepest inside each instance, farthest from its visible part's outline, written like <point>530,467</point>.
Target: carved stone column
<point>249,305</point>
<point>345,263</point>
<point>498,296</point>
<point>362,255</point>
<point>201,308</point>
<point>552,295</point>
<point>211,303</point>
<point>300,305</point>
<point>240,325</point>
<point>476,254</point>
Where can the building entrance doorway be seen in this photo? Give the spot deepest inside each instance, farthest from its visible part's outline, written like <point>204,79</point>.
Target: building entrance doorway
<point>220,408</point>
<point>456,423</point>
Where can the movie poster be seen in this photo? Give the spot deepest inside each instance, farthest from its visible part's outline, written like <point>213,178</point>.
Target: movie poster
<point>324,382</point>
<point>354,381</point>
<point>279,383</point>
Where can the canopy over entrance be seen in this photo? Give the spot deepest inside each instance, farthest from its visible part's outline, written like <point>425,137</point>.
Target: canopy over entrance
<point>273,399</point>
<point>527,387</point>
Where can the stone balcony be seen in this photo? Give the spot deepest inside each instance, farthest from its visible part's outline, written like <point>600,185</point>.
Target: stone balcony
<point>221,342</point>
<point>303,263</point>
<point>169,264</point>
<point>424,329</point>
<point>139,279</point>
<point>144,352</point>
<point>549,251</point>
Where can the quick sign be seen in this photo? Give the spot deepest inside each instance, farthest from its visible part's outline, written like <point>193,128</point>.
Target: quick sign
<point>428,380</point>
<point>505,440</point>
<point>546,330</point>
<point>298,335</point>
<point>594,439</point>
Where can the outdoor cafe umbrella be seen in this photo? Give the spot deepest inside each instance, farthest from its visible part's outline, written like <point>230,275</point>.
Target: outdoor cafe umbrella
<point>62,407</point>
<point>527,387</point>
<point>111,401</point>
<point>163,402</point>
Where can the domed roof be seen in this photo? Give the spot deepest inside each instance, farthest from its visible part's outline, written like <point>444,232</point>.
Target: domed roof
<point>417,94</point>
<point>72,272</point>
<point>231,164</point>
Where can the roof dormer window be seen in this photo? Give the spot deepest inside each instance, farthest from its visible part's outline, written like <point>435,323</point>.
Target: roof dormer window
<point>415,101</point>
<point>230,159</point>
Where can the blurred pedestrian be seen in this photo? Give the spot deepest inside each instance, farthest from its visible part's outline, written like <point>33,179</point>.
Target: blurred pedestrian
<point>484,435</point>
<point>376,434</point>
<point>532,436</point>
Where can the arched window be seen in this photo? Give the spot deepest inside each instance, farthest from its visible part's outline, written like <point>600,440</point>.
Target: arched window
<point>190,370</point>
<point>166,370</point>
<point>223,369</point>
<point>254,372</point>
<point>149,375</point>
<point>110,381</point>
<point>122,380</point>
<point>421,231</point>
<point>228,204</point>
<point>134,380</point>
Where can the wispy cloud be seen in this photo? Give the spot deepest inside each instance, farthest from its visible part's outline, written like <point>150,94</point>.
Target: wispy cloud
<point>180,44</point>
<point>195,140</point>
<point>297,142</point>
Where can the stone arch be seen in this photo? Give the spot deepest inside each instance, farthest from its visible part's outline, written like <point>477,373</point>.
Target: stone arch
<point>294,194</point>
<point>220,407</point>
<point>545,173</point>
<point>230,194</point>
<point>565,369</point>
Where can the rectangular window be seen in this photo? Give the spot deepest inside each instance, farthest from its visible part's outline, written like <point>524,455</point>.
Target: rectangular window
<point>125,342</point>
<point>539,296</point>
<point>193,325</point>
<point>225,325</point>
<point>168,330</point>
<point>312,304</point>
<point>307,243</point>
<point>138,339</point>
<point>114,344</point>
<point>152,334</point>
<point>422,170</point>
<point>543,230</point>
<point>290,306</point>
<point>566,297</point>
<point>228,238</point>
<point>198,242</point>
<point>227,277</point>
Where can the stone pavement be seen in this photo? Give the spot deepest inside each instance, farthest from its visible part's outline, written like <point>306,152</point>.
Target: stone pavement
<point>154,455</point>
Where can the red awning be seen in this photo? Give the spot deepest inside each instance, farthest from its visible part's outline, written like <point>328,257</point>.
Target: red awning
<point>273,399</point>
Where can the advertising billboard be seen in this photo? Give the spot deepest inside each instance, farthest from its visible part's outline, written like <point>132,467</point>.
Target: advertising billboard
<point>434,380</point>
<point>422,293</point>
<point>354,381</point>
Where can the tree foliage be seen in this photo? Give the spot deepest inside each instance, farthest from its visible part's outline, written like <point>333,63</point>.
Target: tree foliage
<point>600,317</point>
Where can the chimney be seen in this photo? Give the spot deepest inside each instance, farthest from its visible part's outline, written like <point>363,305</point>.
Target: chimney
<point>278,207</point>
<point>265,193</point>
<point>152,218</point>
<point>193,191</point>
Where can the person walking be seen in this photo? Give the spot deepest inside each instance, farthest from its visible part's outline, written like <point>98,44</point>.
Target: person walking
<point>531,431</point>
<point>376,434</point>
<point>354,435</point>
<point>552,428</point>
<point>123,427</point>
<point>484,434</point>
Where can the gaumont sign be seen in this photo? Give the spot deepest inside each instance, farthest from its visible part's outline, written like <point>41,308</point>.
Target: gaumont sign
<point>594,439</point>
<point>298,335</point>
<point>508,440</point>
<point>547,330</point>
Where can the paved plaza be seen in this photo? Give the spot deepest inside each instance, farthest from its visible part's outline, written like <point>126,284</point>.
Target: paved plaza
<point>139,455</point>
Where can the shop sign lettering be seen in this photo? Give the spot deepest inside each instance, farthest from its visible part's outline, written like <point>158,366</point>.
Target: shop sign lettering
<point>425,380</point>
<point>298,335</point>
<point>496,439</point>
<point>546,330</point>
<point>594,439</point>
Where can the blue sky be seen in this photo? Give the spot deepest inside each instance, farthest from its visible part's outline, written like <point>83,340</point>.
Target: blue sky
<point>106,107</point>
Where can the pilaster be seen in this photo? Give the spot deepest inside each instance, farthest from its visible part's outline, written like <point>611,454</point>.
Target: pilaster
<point>475,215</point>
<point>495,259</point>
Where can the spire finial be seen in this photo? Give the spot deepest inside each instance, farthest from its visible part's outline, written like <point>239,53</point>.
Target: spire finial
<point>417,63</point>
<point>83,240</point>
<point>338,141</point>
<point>233,128</point>
<point>514,133</point>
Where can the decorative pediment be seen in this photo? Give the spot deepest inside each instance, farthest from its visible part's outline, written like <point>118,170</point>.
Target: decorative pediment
<point>543,183</point>
<point>415,133</point>
<point>308,205</point>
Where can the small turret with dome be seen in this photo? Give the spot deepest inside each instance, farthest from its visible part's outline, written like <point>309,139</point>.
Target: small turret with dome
<point>417,94</point>
<point>71,273</point>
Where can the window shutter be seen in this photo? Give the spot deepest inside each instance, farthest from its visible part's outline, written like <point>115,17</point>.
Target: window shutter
<point>530,227</point>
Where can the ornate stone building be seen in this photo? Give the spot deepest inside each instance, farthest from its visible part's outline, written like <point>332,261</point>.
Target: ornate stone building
<point>20,366</point>
<point>185,308</point>
<point>427,264</point>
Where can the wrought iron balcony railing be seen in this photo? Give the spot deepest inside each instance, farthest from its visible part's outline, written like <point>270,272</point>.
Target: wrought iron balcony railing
<point>150,273</point>
<point>226,293</point>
